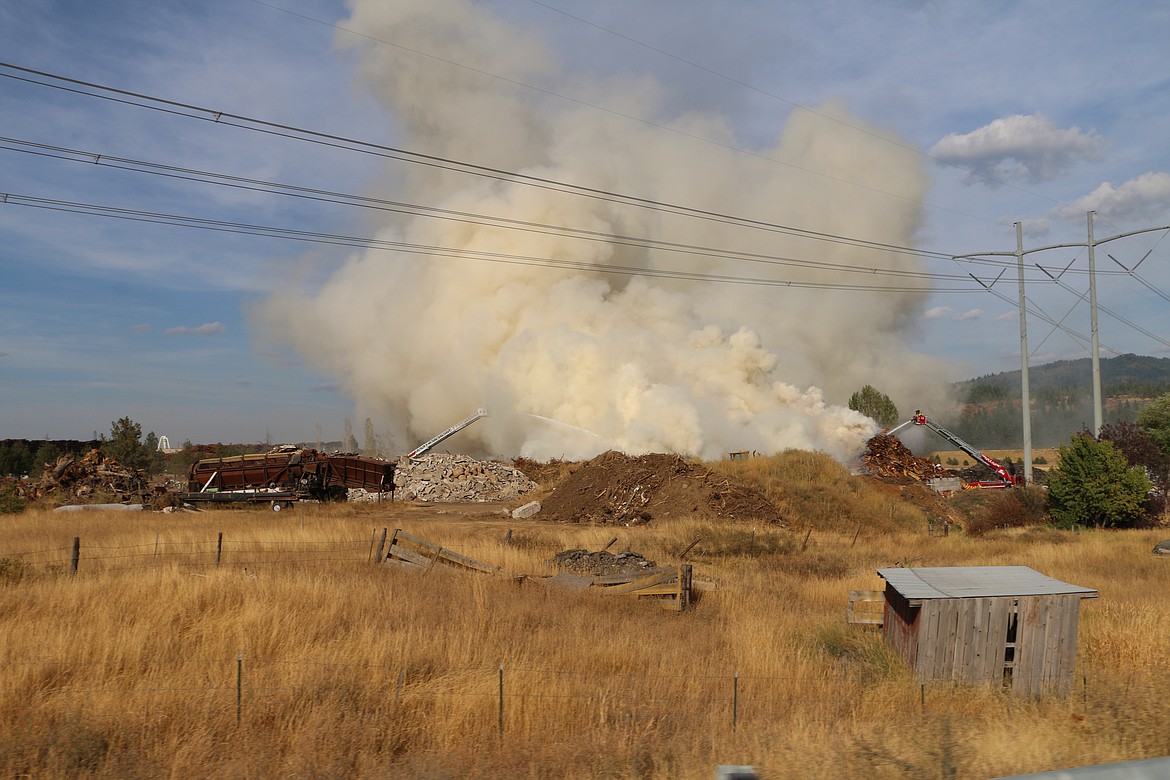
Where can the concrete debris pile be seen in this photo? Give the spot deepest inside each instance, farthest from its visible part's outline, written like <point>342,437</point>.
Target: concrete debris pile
<point>602,563</point>
<point>887,456</point>
<point>363,496</point>
<point>90,478</point>
<point>441,477</point>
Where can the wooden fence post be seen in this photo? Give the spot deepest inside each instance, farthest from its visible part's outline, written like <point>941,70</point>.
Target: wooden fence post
<point>735,701</point>
<point>239,686</point>
<point>381,544</point>
<point>219,548</point>
<point>76,555</point>
<point>501,719</point>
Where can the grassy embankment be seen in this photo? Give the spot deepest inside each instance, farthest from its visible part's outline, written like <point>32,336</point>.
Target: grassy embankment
<point>129,669</point>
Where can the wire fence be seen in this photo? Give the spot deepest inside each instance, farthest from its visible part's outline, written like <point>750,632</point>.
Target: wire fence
<point>505,697</point>
<point>82,558</point>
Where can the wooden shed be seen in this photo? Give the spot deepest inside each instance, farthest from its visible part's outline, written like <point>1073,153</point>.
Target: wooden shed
<point>985,624</point>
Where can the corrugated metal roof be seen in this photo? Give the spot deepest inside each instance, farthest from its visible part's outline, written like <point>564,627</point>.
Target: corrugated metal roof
<point>958,582</point>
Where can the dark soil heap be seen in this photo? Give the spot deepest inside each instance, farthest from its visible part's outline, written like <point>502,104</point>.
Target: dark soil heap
<point>617,489</point>
<point>887,456</point>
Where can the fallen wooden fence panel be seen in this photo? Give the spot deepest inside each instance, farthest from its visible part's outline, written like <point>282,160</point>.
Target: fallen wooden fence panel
<point>411,549</point>
<point>670,585</point>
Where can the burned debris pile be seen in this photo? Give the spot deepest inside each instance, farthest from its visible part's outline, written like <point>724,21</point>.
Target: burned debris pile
<point>887,456</point>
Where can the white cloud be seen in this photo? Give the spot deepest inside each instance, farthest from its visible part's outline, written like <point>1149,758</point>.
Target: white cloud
<point>1007,315</point>
<point>206,329</point>
<point>970,314</point>
<point>937,313</point>
<point>1146,197</point>
<point>1018,148</point>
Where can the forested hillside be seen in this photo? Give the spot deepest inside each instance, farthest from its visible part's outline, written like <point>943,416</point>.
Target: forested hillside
<point>1062,399</point>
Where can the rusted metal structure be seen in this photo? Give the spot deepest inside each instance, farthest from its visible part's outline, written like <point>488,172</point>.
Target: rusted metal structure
<point>287,473</point>
<point>1007,625</point>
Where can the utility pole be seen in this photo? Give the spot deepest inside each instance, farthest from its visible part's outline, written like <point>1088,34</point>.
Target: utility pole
<point>1098,404</point>
<point>1025,394</point>
<point>1098,415</point>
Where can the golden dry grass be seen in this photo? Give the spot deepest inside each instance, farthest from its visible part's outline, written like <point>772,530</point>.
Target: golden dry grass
<point>130,668</point>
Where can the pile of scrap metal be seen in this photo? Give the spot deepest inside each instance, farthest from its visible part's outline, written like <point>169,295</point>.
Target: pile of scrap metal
<point>286,474</point>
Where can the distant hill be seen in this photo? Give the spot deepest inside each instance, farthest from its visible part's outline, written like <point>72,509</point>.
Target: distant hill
<point>1131,375</point>
<point>1062,399</point>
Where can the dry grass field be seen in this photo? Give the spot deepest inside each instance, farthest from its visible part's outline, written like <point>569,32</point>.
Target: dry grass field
<point>295,656</point>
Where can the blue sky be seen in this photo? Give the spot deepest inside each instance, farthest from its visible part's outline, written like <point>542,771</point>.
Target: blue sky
<point>1029,112</point>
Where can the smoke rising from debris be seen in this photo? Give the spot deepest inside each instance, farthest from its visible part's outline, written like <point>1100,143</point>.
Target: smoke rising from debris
<point>631,362</point>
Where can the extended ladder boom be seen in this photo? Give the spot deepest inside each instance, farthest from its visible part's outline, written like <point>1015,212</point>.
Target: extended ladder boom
<point>920,419</point>
<point>454,429</point>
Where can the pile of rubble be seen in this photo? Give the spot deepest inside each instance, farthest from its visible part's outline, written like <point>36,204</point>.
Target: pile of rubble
<point>887,456</point>
<point>93,477</point>
<point>602,563</point>
<point>454,478</point>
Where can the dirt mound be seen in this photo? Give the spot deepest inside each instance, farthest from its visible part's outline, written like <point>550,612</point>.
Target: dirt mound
<point>547,474</point>
<point>939,510</point>
<point>887,456</point>
<point>618,489</point>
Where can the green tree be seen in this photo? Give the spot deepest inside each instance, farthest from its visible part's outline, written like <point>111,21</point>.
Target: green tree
<point>1140,450</point>
<point>125,445</point>
<point>154,457</point>
<point>1154,419</point>
<point>1095,486</point>
<point>46,453</point>
<point>15,459</point>
<point>875,404</point>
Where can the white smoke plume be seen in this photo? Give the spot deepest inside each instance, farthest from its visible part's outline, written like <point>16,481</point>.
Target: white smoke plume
<point>571,363</point>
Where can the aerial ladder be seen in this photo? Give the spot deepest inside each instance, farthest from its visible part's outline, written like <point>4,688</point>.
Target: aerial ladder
<point>1005,478</point>
<point>454,429</point>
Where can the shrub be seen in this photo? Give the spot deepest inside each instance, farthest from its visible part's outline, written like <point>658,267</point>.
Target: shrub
<point>1095,486</point>
<point>10,502</point>
<point>1011,508</point>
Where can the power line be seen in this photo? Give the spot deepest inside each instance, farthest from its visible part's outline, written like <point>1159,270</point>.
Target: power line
<point>317,237</point>
<point>418,210</point>
<point>418,158</point>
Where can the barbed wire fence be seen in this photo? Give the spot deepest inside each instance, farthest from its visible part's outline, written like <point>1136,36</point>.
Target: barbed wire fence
<point>504,697</point>
<point>79,558</point>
